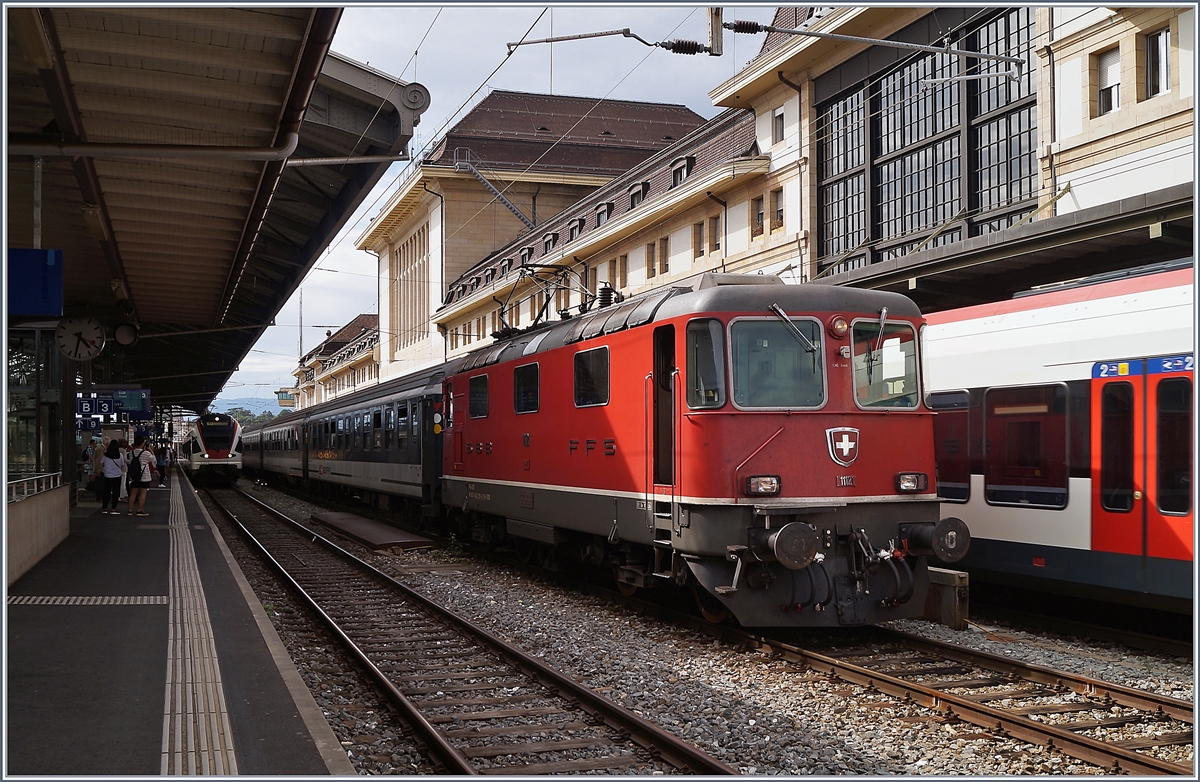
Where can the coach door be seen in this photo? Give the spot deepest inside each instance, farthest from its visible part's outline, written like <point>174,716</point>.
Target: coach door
<point>664,406</point>
<point>1142,460</point>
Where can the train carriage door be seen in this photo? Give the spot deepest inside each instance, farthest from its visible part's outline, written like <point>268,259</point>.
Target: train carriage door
<point>1142,463</point>
<point>1169,457</point>
<point>664,405</point>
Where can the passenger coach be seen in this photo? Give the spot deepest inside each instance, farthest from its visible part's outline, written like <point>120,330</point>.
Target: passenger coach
<point>1065,436</point>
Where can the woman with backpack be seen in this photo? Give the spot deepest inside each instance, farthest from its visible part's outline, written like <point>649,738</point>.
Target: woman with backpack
<point>110,472</point>
<point>141,459</point>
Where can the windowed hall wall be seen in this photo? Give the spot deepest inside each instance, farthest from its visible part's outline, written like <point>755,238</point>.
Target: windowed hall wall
<point>916,149</point>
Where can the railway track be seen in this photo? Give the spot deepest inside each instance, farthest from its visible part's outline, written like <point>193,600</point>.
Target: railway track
<point>1123,729</point>
<point>477,703</point>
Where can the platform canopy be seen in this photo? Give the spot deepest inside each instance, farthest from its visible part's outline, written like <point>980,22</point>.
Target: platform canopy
<point>185,171</point>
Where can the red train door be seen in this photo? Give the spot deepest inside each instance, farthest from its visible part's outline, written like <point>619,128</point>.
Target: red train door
<point>1142,457</point>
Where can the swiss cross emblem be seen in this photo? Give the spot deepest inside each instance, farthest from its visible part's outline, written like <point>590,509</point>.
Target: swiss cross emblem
<point>843,444</point>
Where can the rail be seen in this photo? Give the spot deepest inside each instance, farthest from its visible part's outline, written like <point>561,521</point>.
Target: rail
<point>29,484</point>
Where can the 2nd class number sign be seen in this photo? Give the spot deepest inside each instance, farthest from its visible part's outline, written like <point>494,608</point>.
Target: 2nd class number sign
<point>1153,366</point>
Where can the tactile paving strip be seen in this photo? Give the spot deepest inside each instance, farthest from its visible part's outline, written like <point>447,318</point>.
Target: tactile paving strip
<point>197,736</point>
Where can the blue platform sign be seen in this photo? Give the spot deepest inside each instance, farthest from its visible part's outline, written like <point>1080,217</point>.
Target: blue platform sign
<point>129,400</point>
<point>87,424</point>
<point>35,282</point>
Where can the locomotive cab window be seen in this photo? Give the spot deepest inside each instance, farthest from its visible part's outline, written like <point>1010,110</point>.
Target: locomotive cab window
<point>1026,452</point>
<point>526,389</point>
<point>705,363</point>
<point>477,392</point>
<point>591,377</point>
<point>773,367</point>
<point>885,365</point>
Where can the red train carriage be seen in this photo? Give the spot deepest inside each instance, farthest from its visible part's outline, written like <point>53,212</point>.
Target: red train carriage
<point>1065,436</point>
<point>767,443</point>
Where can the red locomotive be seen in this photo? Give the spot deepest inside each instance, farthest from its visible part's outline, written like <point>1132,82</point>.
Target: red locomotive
<point>768,444</point>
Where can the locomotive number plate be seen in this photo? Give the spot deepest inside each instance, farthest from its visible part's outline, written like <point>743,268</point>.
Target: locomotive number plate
<point>845,480</point>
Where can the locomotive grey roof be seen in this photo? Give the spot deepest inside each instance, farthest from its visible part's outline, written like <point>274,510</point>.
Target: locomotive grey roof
<point>710,293</point>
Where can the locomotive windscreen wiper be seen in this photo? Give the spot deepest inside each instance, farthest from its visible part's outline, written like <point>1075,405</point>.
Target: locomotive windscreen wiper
<point>796,332</point>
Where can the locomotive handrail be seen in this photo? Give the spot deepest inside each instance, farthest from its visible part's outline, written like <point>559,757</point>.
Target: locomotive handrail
<point>647,388</point>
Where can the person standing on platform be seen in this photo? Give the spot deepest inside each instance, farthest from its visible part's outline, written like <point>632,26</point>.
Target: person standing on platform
<point>170,452</point>
<point>111,473</point>
<point>140,460</point>
<point>161,459</point>
<point>124,445</point>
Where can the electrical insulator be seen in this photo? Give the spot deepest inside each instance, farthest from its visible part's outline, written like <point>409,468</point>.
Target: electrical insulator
<point>684,47</point>
<point>606,296</point>
<point>743,26</point>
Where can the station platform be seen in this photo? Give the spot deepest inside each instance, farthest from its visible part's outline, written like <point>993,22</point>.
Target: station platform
<point>136,647</point>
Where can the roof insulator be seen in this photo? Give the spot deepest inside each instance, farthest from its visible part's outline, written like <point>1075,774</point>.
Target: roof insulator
<point>744,26</point>
<point>680,46</point>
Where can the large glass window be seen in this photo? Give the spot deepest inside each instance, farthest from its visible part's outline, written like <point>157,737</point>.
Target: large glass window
<point>1116,447</point>
<point>909,158</point>
<point>705,363</point>
<point>1026,450</point>
<point>477,396</point>
<point>591,377</point>
<point>951,439</point>
<point>1174,445</point>
<point>526,389</point>
<point>772,368</point>
<point>885,364</point>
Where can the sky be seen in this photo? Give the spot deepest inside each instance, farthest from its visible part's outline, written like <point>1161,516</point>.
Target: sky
<point>459,52</point>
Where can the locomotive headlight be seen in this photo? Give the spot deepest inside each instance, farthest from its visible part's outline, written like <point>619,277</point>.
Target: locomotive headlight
<point>838,326</point>
<point>205,456</point>
<point>763,485</point>
<point>912,481</point>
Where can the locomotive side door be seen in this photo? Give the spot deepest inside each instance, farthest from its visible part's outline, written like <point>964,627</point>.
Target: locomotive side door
<point>664,406</point>
<point>1142,461</point>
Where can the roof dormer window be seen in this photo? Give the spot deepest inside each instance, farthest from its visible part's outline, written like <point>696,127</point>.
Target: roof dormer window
<point>548,242</point>
<point>637,193</point>
<point>603,212</point>
<point>574,229</point>
<point>526,255</point>
<point>681,167</point>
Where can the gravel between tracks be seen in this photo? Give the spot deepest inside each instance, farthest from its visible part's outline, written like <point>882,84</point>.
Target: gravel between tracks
<point>758,715</point>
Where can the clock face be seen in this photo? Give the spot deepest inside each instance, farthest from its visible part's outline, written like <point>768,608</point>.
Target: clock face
<point>80,339</point>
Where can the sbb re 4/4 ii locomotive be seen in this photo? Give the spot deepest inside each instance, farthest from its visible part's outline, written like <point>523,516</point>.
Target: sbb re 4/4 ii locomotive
<point>768,444</point>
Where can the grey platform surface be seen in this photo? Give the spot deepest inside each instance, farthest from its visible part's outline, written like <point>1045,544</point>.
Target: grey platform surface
<point>369,532</point>
<point>117,631</point>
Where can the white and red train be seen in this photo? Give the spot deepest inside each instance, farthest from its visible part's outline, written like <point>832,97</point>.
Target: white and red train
<point>1065,436</point>
<point>212,450</point>
<point>766,444</point>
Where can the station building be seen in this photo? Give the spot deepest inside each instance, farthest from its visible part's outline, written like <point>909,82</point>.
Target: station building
<point>344,362</point>
<point>846,160</point>
<point>511,162</point>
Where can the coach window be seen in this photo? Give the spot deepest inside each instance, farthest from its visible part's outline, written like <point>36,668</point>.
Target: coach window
<point>401,421</point>
<point>951,436</point>
<point>1026,455</point>
<point>368,431</point>
<point>1175,445</point>
<point>705,363</point>
<point>377,425</point>
<point>885,365</point>
<point>526,389</point>
<point>477,396</point>
<point>773,367</point>
<point>591,377</point>
<point>1116,447</point>
<point>357,441</point>
<point>389,425</point>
